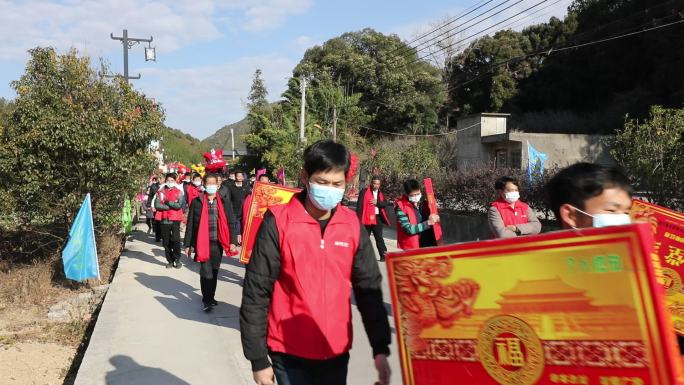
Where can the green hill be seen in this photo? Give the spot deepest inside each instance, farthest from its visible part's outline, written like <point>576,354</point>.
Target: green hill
<point>181,147</point>
<point>221,138</point>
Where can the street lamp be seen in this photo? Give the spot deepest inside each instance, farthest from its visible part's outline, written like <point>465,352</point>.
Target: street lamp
<point>128,43</point>
<point>150,54</point>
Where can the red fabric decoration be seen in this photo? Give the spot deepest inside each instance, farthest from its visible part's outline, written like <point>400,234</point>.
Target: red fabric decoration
<point>353,167</point>
<point>202,247</point>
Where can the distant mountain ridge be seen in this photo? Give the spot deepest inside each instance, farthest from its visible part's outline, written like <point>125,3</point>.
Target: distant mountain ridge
<point>221,138</point>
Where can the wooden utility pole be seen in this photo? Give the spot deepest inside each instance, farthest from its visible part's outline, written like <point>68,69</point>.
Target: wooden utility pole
<point>302,137</point>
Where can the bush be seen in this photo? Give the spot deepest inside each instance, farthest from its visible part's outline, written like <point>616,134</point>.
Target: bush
<point>73,132</point>
<point>652,153</point>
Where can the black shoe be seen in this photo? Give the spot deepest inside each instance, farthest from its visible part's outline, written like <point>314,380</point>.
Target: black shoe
<point>169,265</point>
<point>213,302</point>
<point>382,259</point>
<point>206,307</point>
<point>177,264</point>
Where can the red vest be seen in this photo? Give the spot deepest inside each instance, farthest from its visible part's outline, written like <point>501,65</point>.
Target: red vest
<point>368,216</point>
<point>407,241</point>
<point>512,216</point>
<point>310,313</point>
<point>171,195</point>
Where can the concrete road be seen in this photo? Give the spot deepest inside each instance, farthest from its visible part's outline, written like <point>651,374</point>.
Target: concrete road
<point>151,329</point>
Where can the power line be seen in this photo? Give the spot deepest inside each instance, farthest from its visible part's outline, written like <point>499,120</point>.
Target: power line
<point>473,35</point>
<point>443,25</point>
<point>421,135</point>
<point>556,50</point>
<point>409,49</point>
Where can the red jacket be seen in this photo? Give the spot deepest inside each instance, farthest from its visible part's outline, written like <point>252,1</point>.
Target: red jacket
<point>511,216</point>
<point>406,241</point>
<point>310,311</point>
<point>366,211</point>
<point>172,195</point>
<point>191,192</point>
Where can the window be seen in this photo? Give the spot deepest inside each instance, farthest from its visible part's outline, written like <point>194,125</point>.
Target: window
<point>516,161</point>
<point>500,159</point>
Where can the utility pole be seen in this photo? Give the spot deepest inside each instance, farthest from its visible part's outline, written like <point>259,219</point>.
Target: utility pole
<point>302,84</point>
<point>334,123</point>
<point>128,43</point>
<point>232,141</point>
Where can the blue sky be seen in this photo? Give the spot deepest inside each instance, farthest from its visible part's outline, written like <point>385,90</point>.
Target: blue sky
<point>208,50</point>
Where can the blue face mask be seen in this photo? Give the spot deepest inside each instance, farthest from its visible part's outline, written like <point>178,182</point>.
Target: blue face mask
<point>211,189</point>
<point>325,197</point>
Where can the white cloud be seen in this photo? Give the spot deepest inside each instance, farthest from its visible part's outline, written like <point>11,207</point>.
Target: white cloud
<point>302,43</point>
<point>86,24</point>
<point>267,14</point>
<point>200,100</point>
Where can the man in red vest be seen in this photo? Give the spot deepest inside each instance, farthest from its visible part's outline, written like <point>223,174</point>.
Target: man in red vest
<point>170,201</point>
<point>414,221</point>
<point>508,216</point>
<point>308,256</point>
<point>371,210</point>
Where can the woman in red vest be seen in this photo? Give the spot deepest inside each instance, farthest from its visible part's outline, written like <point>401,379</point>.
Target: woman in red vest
<point>509,217</point>
<point>371,210</point>
<point>414,221</point>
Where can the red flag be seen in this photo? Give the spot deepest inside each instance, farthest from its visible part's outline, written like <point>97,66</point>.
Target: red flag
<point>260,172</point>
<point>432,205</point>
<point>280,175</point>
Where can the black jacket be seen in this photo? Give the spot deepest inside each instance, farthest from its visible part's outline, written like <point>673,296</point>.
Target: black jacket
<point>263,271</point>
<point>154,188</point>
<point>237,196</point>
<point>194,213</point>
<point>381,204</point>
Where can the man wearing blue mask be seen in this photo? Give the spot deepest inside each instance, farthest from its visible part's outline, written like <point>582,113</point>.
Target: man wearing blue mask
<point>296,299</point>
<point>208,234</point>
<point>590,195</point>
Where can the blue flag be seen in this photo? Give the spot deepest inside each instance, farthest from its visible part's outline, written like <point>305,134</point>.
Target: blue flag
<point>535,167</point>
<point>80,253</point>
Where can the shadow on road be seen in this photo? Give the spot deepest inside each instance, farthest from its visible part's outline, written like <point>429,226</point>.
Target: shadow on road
<point>128,372</point>
<point>186,301</point>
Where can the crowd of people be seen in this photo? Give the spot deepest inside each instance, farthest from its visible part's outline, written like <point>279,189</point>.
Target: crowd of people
<point>312,253</point>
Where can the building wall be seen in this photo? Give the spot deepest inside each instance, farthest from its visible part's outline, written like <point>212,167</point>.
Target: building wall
<point>469,148</point>
<point>565,149</point>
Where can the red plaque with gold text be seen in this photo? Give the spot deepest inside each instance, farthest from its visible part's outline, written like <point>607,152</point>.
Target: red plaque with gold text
<point>668,246</point>
<point>264,195</point>
<point>573,307</point>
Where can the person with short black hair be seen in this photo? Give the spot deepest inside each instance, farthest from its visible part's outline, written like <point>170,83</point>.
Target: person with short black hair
<point>590,195</point>
<point>508,216</point>
<point>414,221</point>
<point>296,302</point>
<point>238,190</point>
<point>371,209</point>
<point>169,202</point>
<point>208,235</point>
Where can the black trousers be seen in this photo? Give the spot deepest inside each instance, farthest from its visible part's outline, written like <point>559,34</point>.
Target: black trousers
<point>157,230</point>
<point>291,370</point>
<point>209,272</point>
<point>376,230</point>
<point>170,233</point>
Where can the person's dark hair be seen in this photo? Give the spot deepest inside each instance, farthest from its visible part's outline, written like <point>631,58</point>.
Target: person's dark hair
<point>207,176</point>
<point>501,183</point>
<point>171,175</point>
<point>326,155</point>
<point>582,181</point>
<point>375,177</point>
<point>154,179</point>
<point>411,185</point>
<point>237,171</point>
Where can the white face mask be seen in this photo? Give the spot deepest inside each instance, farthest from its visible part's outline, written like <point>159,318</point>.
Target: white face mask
<point>607,219</point>
<point>512,196</point>
<point>415,198</point>
<point>171,184</point>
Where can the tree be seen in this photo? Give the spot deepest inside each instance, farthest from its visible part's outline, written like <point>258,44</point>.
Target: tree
<point>258,92</point>
<point>652,153</point>
<point>398,91</point>
<point>73,132</point>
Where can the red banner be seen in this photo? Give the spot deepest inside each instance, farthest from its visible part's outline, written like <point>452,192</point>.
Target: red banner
<point>264,195</point>
<point>432,205</point>
<point>572,307</point>
<point>668,231</point>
